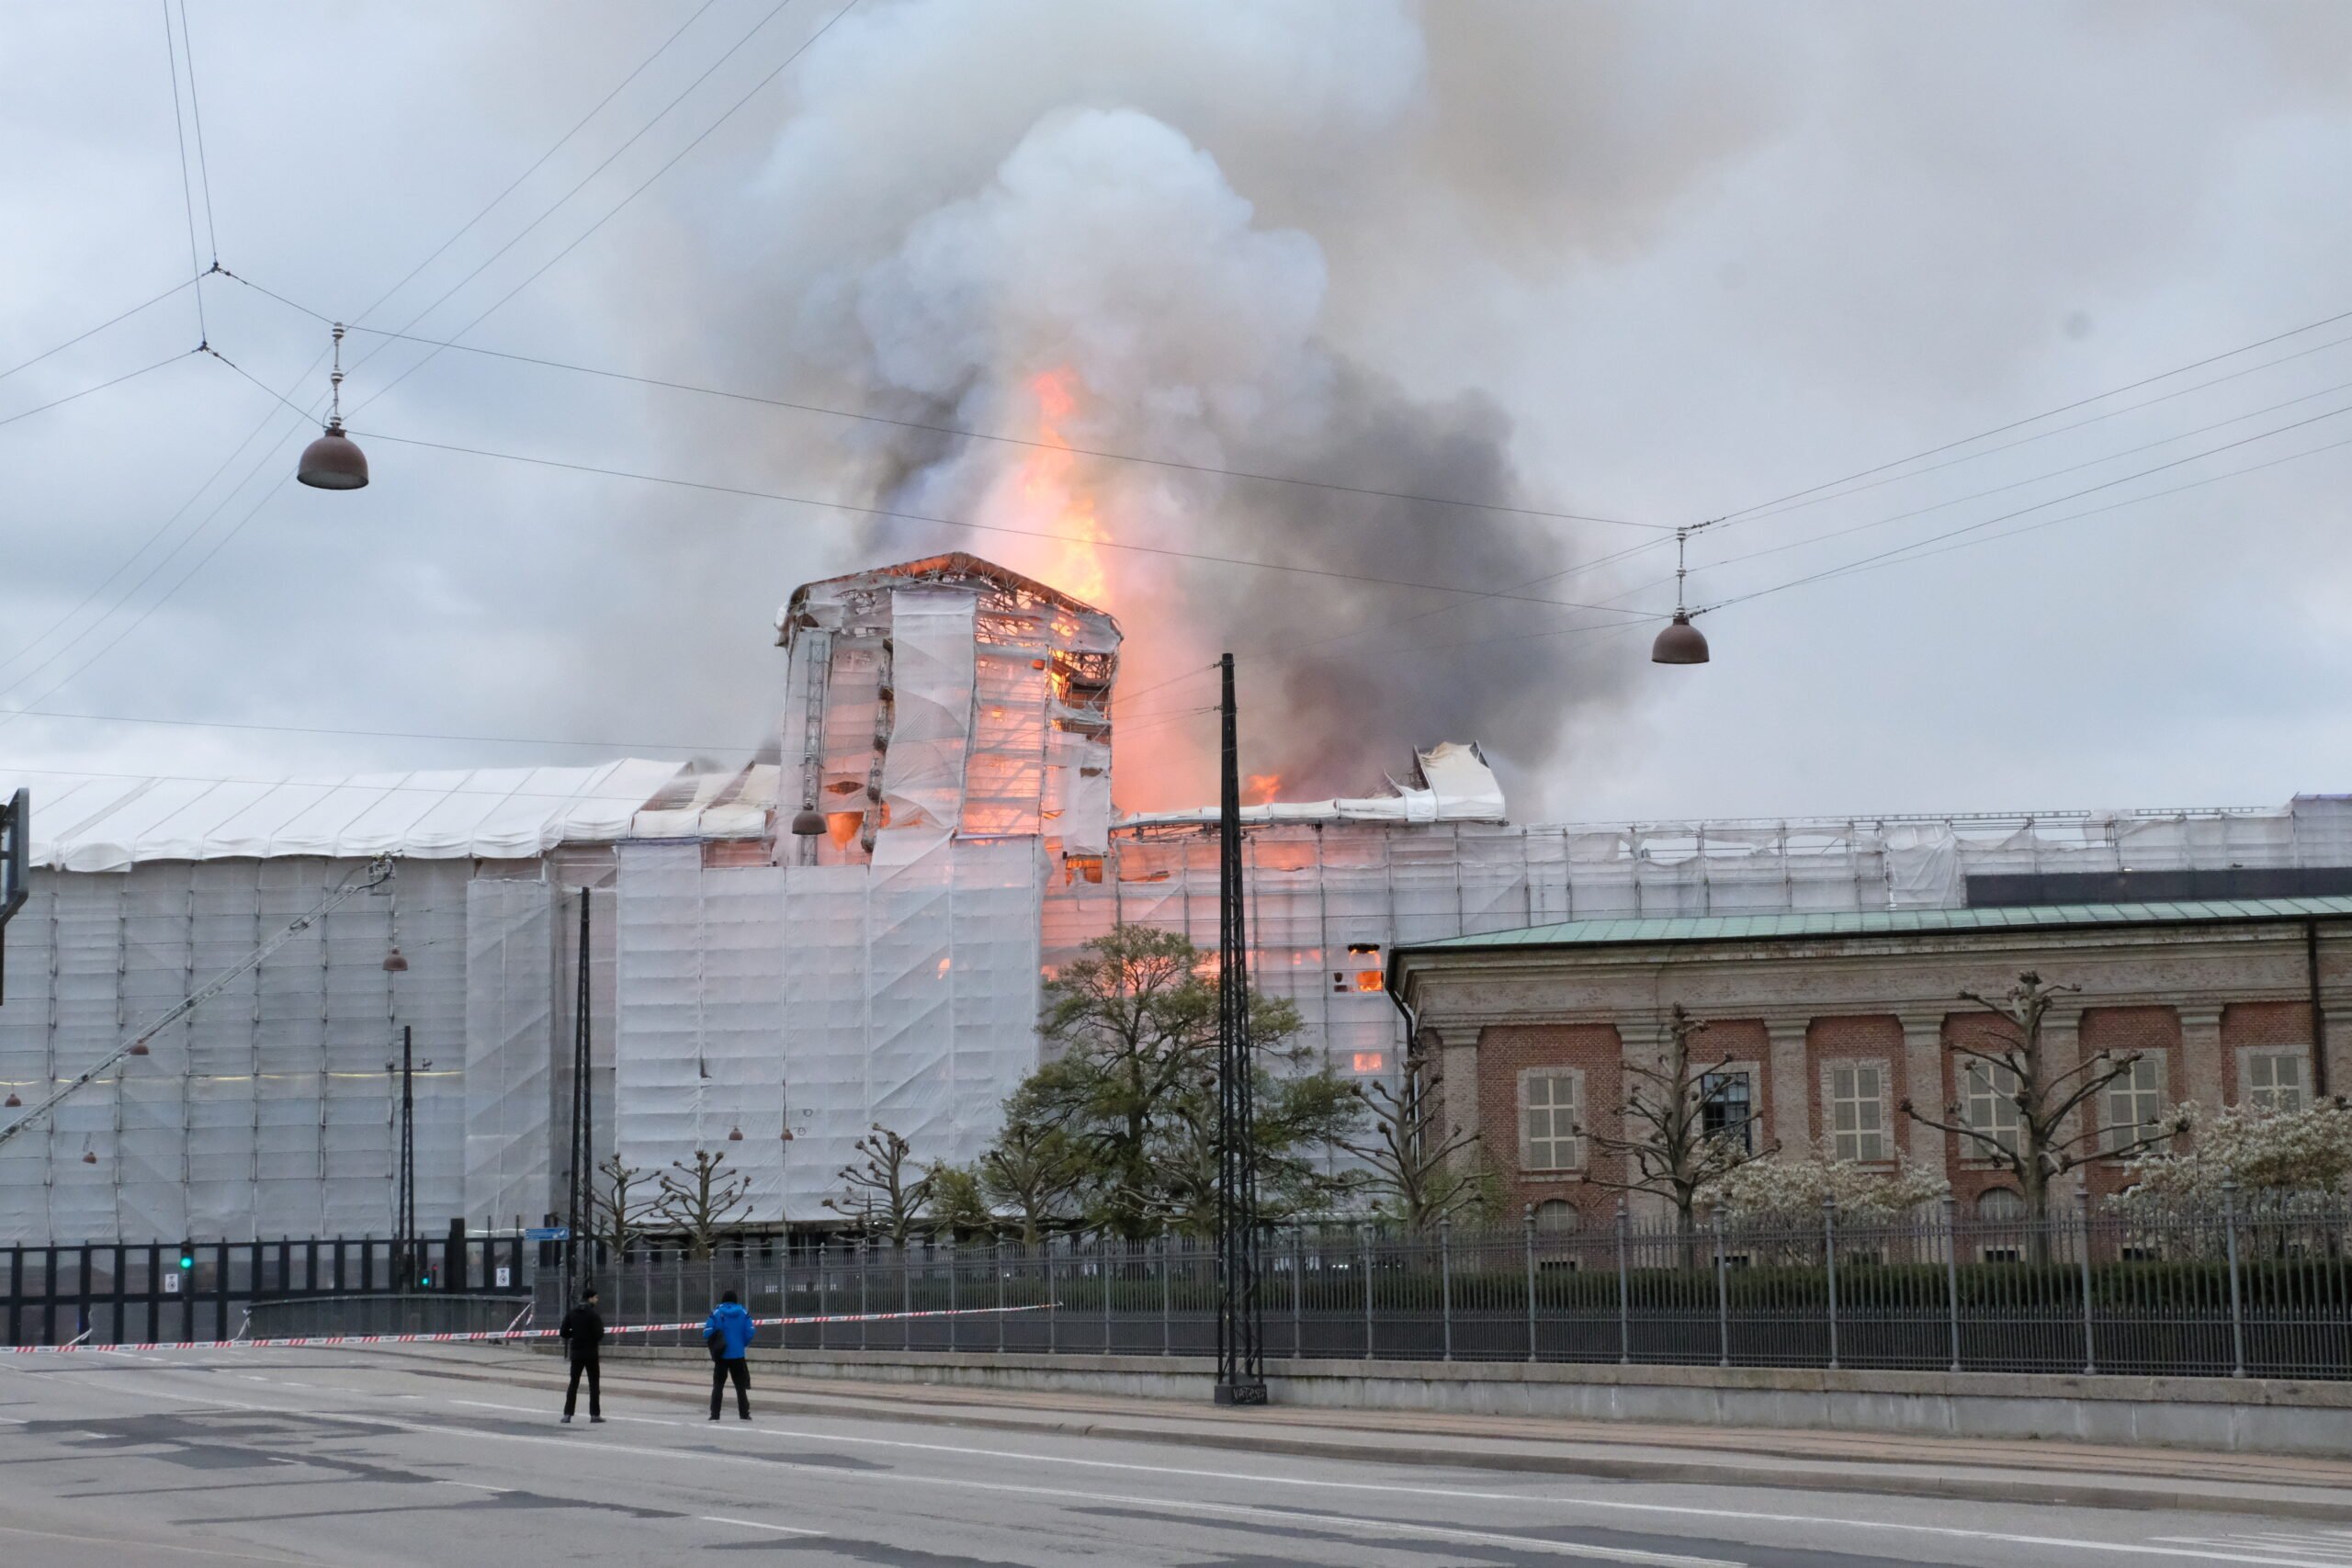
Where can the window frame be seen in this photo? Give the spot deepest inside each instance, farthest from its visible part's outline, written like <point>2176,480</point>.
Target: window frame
<point>1886,1098</point>
<point>2115,1135</point>
<point>1974,1142</point>
<point>1576,1139</point>
<point>2299,1054</point>
<point>1753,1074</point>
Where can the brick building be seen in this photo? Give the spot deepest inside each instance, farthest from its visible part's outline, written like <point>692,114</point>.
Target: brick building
<point>1823,1024</point>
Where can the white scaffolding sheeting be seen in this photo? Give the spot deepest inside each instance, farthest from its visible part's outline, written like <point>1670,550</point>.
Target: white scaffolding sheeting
<point>510,1046</point>
<point>930,668</point>
<point>109,824</point>
<point>903,994</point>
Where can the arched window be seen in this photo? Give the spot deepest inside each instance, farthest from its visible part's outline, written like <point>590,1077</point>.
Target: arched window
<point>1557,1216</point>
<point>1999,1206</point>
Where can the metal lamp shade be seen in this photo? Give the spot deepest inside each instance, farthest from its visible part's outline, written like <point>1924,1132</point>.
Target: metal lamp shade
<point>807,823</point>
<point>1679,643</point>
<point>333,462</point>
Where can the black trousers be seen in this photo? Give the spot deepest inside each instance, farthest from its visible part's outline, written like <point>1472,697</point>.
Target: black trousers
<point>595,1395</point>
<point>720,1371</point>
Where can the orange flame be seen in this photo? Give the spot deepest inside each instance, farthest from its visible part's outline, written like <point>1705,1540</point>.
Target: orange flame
<point>1049,484</point>
<point>1258,789</point>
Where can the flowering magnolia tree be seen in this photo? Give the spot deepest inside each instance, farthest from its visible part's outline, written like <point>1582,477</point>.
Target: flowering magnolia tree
<point>1790,1192</point>
<point>2270,1156</point>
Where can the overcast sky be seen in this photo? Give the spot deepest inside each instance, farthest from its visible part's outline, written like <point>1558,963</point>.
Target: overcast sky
<point>1654,264</point>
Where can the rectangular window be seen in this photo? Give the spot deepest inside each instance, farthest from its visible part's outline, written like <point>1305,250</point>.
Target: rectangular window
<point>2274,1081</point>
<point>2132,1105</point>
<point>1858,1111</point>
<point>1727,1107</point>
<point>1988,1095</point>
<point>1551,1105</point>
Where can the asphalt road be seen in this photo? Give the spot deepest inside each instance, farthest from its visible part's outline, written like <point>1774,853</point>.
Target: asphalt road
<point>363,1457</point>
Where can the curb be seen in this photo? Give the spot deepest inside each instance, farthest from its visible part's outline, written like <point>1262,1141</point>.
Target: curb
<point>801,1397</point>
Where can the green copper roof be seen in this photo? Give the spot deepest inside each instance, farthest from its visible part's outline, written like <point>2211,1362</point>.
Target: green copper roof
<point>1899,922</point>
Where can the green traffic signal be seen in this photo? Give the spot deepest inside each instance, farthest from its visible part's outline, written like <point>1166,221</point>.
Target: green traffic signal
<point>187,1257</point>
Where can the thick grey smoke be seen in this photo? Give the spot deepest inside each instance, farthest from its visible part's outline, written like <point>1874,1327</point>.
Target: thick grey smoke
<point>1109,284</point>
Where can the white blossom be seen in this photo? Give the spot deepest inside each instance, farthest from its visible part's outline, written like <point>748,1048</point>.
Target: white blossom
<point>2267,1154</point>
<point>1790,1192</point>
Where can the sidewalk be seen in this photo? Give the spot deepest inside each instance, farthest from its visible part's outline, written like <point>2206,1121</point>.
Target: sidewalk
<point>2078,1474</point>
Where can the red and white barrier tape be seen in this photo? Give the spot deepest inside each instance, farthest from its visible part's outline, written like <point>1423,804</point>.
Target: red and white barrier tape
<point>500,1333</point>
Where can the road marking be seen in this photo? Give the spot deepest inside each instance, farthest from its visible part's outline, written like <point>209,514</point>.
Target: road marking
<point>2329,1546</point>
<point>157,1546</point>
<point>754,1525</point>
<point>477,1486</point>
<point>2200,1552</point>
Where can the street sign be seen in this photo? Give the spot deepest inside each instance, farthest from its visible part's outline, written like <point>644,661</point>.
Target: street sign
<point>548,1233</point>
<point>505,1276</point>
<point>171,1284</point>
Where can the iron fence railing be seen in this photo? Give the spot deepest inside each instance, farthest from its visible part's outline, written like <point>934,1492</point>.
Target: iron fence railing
<point>2223,1291</point>
<point>107,1294</point>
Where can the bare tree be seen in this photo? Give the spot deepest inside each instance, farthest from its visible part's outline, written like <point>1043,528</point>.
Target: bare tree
<point>2040,1139</point>
<point>1662,1138</point>
<point>619,1208</point>
<point>1418,1176</point>
<point>701,1201</point>
<point>882,1192</point>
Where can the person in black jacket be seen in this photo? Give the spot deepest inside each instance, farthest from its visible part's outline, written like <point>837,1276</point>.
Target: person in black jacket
<point>583,1336</point>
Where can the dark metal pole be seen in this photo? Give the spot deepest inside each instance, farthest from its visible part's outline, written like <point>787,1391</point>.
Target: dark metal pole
<point>404,1250</point>
<point>1241,1336</point>
<point>580,1193</point>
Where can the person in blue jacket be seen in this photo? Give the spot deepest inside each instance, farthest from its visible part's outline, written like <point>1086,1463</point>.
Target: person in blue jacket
<point>728,1332</point>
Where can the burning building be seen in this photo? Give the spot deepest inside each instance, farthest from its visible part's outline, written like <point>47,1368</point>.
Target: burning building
<point>773,994</point>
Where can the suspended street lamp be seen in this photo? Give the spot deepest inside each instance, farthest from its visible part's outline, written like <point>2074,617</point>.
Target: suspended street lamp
<point>334,461</point>
<point>808,823</point>
<point>394,963</point>
<point>1681,642</point>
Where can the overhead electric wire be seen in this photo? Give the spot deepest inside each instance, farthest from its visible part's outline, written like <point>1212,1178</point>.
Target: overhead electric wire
<point>558,204</point>
<point>187,196</point>
<point>117,382</point>
<point>2037,478</point>
<point>196,116</point>
<point>110,320</point>
<point>560,143</point>
<point>930,427</point>
<point>2057,430</point>
<point>2046,414</point>
<point>2054,501</point>
<point>893,514</point>
<point>310,415</point>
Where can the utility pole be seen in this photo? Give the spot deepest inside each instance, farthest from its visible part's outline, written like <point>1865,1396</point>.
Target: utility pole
<point>581,1196</point>
<point>1241,1336</point>
<point>406,1257</point>
<point>15,863</point>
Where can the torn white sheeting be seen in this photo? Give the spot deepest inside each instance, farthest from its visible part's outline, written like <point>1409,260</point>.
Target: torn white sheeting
<point>718,806</point>
<point>99,823</point>
<point>1454,786</point>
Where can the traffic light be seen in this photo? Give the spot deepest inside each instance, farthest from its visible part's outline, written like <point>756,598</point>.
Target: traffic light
<point>188,1255</point>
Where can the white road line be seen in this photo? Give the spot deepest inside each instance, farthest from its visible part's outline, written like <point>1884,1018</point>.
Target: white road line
<point>1460,1493</point>
<point>477,1486</point>
<point>157,1546</point>
<point>754,1525</point>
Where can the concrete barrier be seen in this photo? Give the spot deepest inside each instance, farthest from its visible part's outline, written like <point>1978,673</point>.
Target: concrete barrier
<point>2235,1415</point>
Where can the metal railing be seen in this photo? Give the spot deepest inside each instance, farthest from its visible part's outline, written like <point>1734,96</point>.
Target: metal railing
<point>107,1294</point>
<point>2227,1290</point>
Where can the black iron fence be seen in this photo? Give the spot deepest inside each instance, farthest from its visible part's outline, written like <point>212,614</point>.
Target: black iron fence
<point>128,1295</point>
<point>2219,1291</point>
